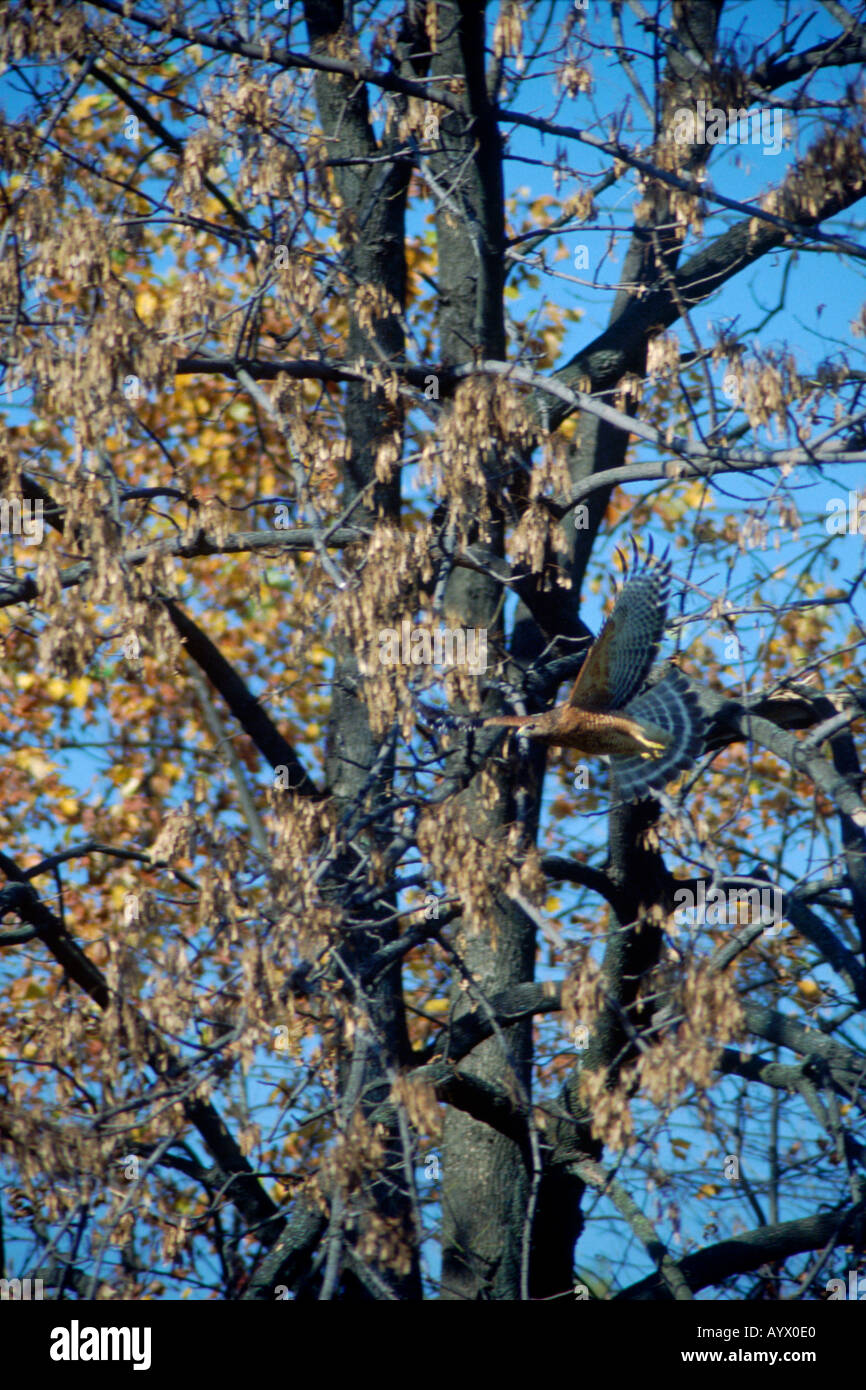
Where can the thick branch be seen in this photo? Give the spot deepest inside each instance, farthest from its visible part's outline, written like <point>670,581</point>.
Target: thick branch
<point>749,1251</point>
<point>250,714</point>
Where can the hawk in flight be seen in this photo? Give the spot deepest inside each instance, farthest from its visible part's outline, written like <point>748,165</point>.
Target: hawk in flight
<point>649,735</point>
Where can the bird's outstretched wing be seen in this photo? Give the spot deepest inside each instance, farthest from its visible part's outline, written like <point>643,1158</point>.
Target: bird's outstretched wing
<point>619,660</point>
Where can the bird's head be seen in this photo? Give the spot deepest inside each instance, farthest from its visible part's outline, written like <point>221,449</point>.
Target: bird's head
<point>530,725</point>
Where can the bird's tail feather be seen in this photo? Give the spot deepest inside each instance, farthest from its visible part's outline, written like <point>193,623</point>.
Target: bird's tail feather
<point>672,706</point>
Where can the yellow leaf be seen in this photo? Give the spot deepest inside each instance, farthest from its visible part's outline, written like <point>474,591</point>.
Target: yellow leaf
<point>146,305</point>
<point>32,761</point>
<point>810,989</point>
<point>83,107</point>
<point>79,689</point>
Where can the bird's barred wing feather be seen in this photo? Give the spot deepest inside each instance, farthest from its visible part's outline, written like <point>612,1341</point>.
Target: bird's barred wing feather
<point>619,660</point>
<point>672,706</point>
